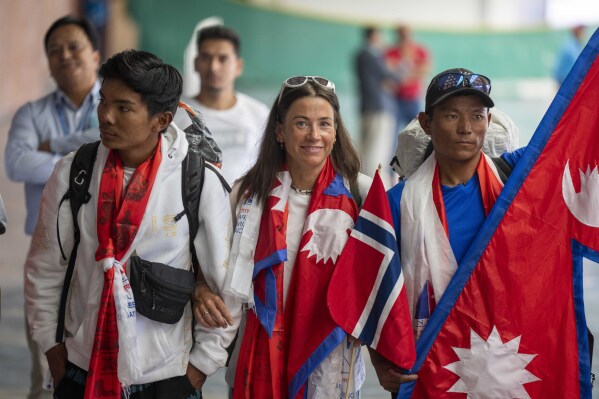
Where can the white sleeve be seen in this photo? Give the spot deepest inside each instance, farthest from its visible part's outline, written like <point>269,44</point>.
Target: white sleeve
<point>213,244</point>
<point>364,183</point>
<point>44,268</point>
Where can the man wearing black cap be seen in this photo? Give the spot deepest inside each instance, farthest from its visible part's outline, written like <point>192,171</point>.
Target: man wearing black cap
<point>439,210</point>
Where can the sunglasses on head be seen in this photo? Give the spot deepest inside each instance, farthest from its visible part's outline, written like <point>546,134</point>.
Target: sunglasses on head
<point>297,81</point>
<point>452,80</point>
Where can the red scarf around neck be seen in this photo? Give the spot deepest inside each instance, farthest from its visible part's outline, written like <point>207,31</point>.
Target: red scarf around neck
<point>490,188</point>
<point>118,219</point>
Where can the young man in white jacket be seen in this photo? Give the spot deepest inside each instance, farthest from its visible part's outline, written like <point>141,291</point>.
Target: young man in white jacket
<point>110,349</point>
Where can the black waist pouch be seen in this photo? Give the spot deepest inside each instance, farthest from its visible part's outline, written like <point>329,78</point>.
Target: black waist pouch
<point>161,292</point>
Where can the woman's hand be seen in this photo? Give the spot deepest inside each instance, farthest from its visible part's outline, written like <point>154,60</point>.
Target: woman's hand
<point>209,309</point>
<point>195,376</point>
<point>389,375</point>
<point>57,362</point>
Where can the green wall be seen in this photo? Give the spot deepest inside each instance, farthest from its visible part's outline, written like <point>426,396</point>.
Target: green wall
<point>276,45</point>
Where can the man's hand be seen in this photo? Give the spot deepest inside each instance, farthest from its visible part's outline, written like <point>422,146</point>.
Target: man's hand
<point>57,362</point>
<point>196,377</point>
<point>209,309</point>
<point>389,375</point>
<point>44,146</point>
<point>391,378</point>
<point>354,341</point>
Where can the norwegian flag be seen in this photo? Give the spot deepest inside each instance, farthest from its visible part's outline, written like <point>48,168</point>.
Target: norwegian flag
<point>366,296</point>
<point>511,323</point>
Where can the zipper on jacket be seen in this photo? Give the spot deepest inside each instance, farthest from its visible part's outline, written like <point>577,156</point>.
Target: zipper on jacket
<point>143,281</point>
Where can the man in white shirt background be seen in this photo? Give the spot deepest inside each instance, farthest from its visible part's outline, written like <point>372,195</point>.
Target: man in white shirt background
<point>235,120</point>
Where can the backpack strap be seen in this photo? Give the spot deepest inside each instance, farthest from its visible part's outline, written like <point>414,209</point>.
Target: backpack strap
<point>192,182</point>
<point>503,168</point>
<point>77,194</point>
<point>220,176</point>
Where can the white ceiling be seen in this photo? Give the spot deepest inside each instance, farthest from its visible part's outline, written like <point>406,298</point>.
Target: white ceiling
<point>448,14</point>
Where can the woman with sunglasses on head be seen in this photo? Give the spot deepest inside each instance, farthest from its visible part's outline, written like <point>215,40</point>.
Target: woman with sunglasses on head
<point>295,208</point>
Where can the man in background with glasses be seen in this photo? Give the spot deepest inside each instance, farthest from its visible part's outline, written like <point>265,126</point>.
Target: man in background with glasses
<point>44,130</point>
<point>448,197</point>
<point>235,119</point>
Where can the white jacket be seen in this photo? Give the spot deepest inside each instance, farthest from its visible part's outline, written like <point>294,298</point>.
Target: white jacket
<point>165,349</point>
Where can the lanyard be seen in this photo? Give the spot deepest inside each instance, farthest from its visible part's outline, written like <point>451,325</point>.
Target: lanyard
<point>84,122</point>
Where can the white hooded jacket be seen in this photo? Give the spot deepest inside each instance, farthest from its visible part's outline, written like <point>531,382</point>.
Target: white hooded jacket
<point>164,349</point>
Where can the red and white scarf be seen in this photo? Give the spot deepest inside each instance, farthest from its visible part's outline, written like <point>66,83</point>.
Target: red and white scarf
<point>426,255</point>
<point>277,346</point>
<point>114,360</point>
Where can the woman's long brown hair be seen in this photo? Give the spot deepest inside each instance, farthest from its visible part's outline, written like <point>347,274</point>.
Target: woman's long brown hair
<point>271,158</point>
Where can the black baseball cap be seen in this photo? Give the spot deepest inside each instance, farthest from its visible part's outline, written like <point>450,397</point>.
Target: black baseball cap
<point>457,80</point>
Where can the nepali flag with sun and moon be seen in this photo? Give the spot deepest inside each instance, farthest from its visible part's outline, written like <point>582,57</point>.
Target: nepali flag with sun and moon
<point>511,323</point>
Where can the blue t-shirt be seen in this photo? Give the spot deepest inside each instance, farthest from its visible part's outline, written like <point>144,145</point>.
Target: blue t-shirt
<point>464,209</point>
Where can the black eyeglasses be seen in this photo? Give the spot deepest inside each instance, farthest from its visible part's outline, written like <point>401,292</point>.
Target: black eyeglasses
<point>454,80</point>
<point>297,81</point>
